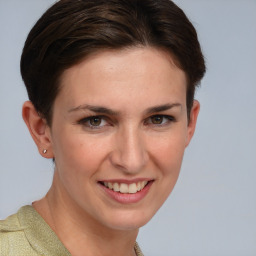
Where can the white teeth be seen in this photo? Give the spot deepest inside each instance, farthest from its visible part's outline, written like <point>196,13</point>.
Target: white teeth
<point>109,185</point>
<point>133,188</point>
<point>116,187</point>
<point>125,188</point>
<point>139,186</point>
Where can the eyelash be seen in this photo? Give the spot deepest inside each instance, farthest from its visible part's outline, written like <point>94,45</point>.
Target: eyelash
<point>168,120</point>
<point>86,121</point>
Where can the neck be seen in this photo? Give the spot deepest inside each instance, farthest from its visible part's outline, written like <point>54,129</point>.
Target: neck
<point>80,232</point>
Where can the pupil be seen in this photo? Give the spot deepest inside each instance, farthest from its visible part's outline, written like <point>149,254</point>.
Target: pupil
<point>95,121</point>
<point>157,120</point>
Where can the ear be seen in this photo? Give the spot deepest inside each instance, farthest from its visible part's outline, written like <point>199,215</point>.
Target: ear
<point>192,122</point>
<point>38,128</point>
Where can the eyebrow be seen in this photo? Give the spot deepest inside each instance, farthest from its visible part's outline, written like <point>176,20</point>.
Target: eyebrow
<point>96,109</point>
<point>108,111</point>
<point>161,108</point>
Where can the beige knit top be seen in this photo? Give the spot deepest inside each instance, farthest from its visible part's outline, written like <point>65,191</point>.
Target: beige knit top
<point>27,234</point>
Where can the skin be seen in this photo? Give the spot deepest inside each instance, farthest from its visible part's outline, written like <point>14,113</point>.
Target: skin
<point>133,140</point>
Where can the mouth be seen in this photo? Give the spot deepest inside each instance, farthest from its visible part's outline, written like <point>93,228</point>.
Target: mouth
<point>126,191</point>
<point>125,188</point>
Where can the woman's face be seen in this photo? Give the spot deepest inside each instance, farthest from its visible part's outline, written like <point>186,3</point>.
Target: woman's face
<point>118,135</point>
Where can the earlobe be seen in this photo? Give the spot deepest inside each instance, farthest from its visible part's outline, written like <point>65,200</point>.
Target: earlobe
<point>192,122</point>
<point>38,128</point>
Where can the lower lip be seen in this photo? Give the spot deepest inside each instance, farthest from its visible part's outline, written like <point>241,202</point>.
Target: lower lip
<point>127,198</point>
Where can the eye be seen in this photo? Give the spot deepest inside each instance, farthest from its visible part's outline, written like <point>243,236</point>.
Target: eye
<point>157,119</point>
<point>94,122</point>
<point>160,120</point>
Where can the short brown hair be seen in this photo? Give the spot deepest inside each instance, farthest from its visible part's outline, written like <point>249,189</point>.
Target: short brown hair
<point>70,30</point>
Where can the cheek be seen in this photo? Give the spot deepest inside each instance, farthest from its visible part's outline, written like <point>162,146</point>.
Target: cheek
<point>168,151</point>
<point>168,159</point>
<point>78,160</point>
<point>78,153</point>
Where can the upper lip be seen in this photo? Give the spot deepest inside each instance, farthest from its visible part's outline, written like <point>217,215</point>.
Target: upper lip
<point>126,181</point>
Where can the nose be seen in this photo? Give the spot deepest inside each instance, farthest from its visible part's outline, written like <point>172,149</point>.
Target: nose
<point>129,153</point>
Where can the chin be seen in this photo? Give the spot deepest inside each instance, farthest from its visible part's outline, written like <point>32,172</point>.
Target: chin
<point>131,220</point>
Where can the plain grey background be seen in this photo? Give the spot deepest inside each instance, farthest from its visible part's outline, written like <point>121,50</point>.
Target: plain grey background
<point>212,210</point>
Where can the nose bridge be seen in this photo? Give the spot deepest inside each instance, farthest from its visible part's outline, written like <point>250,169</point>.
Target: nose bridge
<point>130,153</point>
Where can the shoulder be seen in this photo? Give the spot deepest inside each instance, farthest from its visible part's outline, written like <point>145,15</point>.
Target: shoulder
<point>13,241</point>
<point>26,233</point>
<point>9,224</point>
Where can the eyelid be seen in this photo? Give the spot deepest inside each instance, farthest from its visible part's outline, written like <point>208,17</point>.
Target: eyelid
<point>85,120</point>
<point>169,118</point>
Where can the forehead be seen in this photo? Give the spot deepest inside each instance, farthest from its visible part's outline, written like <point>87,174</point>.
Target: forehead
<point>123,75</point>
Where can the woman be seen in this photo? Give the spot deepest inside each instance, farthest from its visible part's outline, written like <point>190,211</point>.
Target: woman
<point>111,88</point>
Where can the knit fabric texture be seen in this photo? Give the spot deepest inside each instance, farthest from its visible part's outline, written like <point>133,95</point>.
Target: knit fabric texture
<point>27,234</point>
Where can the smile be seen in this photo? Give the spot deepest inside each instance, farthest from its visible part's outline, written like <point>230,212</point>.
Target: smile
<point>126,192</point>
<point>126,188</point>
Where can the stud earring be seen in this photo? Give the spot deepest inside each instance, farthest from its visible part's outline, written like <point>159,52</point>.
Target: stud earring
<point>44,151</point>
